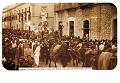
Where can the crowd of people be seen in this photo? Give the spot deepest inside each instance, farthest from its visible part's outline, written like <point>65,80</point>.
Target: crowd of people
<point>22,48</point>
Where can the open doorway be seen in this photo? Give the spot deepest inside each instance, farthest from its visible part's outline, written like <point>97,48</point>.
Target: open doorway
<point>86,29</point>
<point>60,26</point>
<point>71,28</point>
<point>114,29</point>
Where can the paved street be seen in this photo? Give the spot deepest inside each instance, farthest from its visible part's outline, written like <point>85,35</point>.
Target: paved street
<point>70,64</point>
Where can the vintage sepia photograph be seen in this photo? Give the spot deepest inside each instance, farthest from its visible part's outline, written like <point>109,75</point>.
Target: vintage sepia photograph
<point>59,35</point>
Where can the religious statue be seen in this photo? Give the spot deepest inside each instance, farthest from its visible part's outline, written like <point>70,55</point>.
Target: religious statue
<point>43,15</point>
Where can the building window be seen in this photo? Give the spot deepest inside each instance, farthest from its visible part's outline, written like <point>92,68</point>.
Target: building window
<point>29,15</point>
<point>25,14</point>
<point>22,20</point>
<point>86,29</point>
<point>29,9</point>
<point>19,15</point>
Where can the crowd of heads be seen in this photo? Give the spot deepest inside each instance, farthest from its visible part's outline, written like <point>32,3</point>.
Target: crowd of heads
<point>12,39</point>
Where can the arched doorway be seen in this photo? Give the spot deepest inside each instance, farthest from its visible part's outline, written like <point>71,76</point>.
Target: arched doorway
<point>86,29</point>
<point>114,29</point>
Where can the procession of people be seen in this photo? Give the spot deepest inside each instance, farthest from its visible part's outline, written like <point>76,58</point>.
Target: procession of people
<point>24,48</point>
<point>43,47</point>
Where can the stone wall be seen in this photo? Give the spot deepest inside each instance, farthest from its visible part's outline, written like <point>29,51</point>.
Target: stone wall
<point>100,20</point>
<point>107,14</point>
<point>79,23</point>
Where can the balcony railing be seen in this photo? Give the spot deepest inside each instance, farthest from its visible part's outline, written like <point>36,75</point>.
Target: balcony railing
<point>87,5</point>
<point>65,6</point>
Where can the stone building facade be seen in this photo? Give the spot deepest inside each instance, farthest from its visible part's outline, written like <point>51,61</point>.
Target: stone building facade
<point>92,20</point>
<point>27,16</point>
